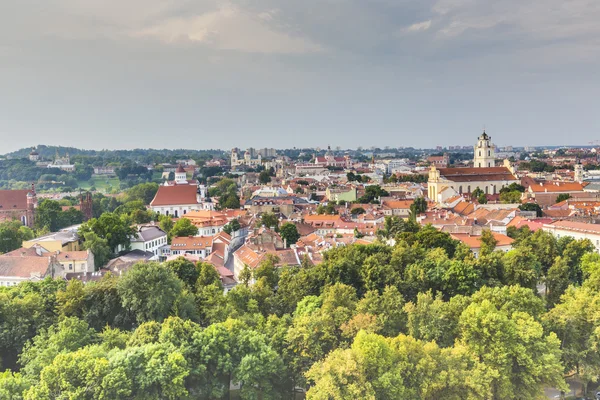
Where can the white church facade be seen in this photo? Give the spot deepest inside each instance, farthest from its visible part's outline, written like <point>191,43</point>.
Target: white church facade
<point>444,183</point>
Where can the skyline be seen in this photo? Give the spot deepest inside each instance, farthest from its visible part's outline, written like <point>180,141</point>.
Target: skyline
<point>212,74</point>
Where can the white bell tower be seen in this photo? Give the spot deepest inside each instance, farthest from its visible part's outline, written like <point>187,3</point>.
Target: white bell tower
<point>485,156</point>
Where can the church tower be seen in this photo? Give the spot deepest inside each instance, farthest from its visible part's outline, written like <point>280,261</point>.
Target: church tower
<point>578,172</point>
<point>484,152</point>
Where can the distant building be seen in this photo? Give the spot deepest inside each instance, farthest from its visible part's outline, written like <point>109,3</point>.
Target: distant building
<point>149,238</point>
<point>246,160</point>
<point>329,160</point>
<point>63,163</point>
<point>444,183</point>
<point>18,205</point>
<point>440,161</point>
<point>34,155</point>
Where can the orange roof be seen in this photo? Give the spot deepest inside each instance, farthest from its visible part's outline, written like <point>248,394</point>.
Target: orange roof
<point>474,242</point>
<point>477,174</point>
<point>398,204</point>
<point>319,218</point>
<point>191,243</point>
<point>72,256</point>
<point>206,218</point>
<point>575,226</point>
<point>554,187</point>
<point>175,195</point>
<point>248,256</point>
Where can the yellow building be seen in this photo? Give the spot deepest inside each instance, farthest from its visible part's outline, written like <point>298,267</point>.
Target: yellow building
<point>67,240</point>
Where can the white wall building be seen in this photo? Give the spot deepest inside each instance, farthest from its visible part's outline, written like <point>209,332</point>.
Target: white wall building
<point>576,230</point>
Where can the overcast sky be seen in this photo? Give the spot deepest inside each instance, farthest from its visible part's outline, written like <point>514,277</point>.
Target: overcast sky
<point>284,73</point>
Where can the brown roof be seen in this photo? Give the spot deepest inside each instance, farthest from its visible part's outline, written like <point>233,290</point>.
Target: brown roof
<point>24,267</point>
<point>474,242</point>
<point>175,195</point>
<point>180,169</point>
<point>72,255</point>
<point>477,174</point>
<point>575,226</point>
<point>191,243</point>
<point>13,200</point>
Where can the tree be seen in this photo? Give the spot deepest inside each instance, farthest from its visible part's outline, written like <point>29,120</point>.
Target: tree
<point>477,192</point>
<point>269,220</point>
<point>562,197</point>
<point>482,199</point>
<point>183,228</point>
<point>185,270</point>
<point>519,359</point>
<point>144,192</point>
<point>68,335</point>
<point>112,227</point>
<point>531,207</point>
<point>488,242</point>
<point>557,281</point>
<point>357,211</point>
<point>521,267</point>
<point>149,291</point>
<point>99,248</point>
<point>12,235</point>
<point>232,226</point>
<point>264,177</point>
<point>166,223</point>
<point>48,213</point>
<point>510,197</point>
<point>289,233</point>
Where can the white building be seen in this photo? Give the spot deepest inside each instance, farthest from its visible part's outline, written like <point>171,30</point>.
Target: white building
<point>149,238</point>
<point>576,230</point>
<point>194,245</point>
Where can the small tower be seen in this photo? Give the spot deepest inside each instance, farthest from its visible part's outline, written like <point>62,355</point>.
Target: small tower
<point>86,206</point>
<point>484,155</point>
<point>578,172</point>
<point>31,206</point>
<point>34,155</point>
<point>234,157</point>
<point>180,176</point>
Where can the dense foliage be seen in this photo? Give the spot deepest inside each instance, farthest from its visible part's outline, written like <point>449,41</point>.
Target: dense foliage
<point>422,319</point>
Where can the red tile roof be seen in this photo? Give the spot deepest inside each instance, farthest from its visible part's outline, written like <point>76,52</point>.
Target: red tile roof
<point>175,195</point>
<point>477,174</point>
<point>191,243</point>
<point>13,200</point>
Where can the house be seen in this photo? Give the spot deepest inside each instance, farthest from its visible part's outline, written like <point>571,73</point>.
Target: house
<point>545,192</point>
<point>15,269</point>
<point>176,200</point>
<point>194,245</point>
<point>341,193</point>
<point>576,230</point>
<point>439,161</point>
<point>149,238</point>
<point>66,239</point>
<point>208,222</point>
<point>76,261</point>
<point>329,160</point>
<point>18,205</point>
<point>122,263</point>
<point>399,208</point>
<point>503,242</point>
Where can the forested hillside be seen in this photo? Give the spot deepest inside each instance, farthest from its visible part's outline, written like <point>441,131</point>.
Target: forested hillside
<point>422,319</point>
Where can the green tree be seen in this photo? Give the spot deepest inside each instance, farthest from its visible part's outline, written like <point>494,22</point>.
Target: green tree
<point>557,281</point>
<point>144,192</point>
<point>68,335</point>
<point>48,213</point>
<point>149,291</point>
<point>521,267</point>
<point>185,270</point>
<point>289,233</point>
<point>112,227</point>
<point>264,177</point>
<point>488,242</point>
<point>519,359</point>
<point>232,226</point>
<point>12,235</point>
<point>183,228</point>
<point>510,197</point>
<point>562,197</point>
<point>99,247</point>
<point>268,220</point>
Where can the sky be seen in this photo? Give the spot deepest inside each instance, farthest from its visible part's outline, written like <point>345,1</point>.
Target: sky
<point>199,74</point>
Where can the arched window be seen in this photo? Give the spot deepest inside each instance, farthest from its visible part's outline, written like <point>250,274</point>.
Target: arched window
<point>489,153</point>
<point>167,212</point>
<point>486,190</point>
<point>460,189</point>
<point>469,189</point>
<point>176,214</point>
<point>479,153</point>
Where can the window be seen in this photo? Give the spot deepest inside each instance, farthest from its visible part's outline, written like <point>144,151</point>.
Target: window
<point>70,266</point>
<point>479,153</point>
<point>489,153</point>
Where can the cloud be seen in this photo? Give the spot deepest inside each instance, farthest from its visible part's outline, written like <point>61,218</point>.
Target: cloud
<point>418,26</point>
<point>230,28</point>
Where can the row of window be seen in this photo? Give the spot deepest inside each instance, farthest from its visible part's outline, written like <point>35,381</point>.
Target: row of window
<point>157,242</point>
